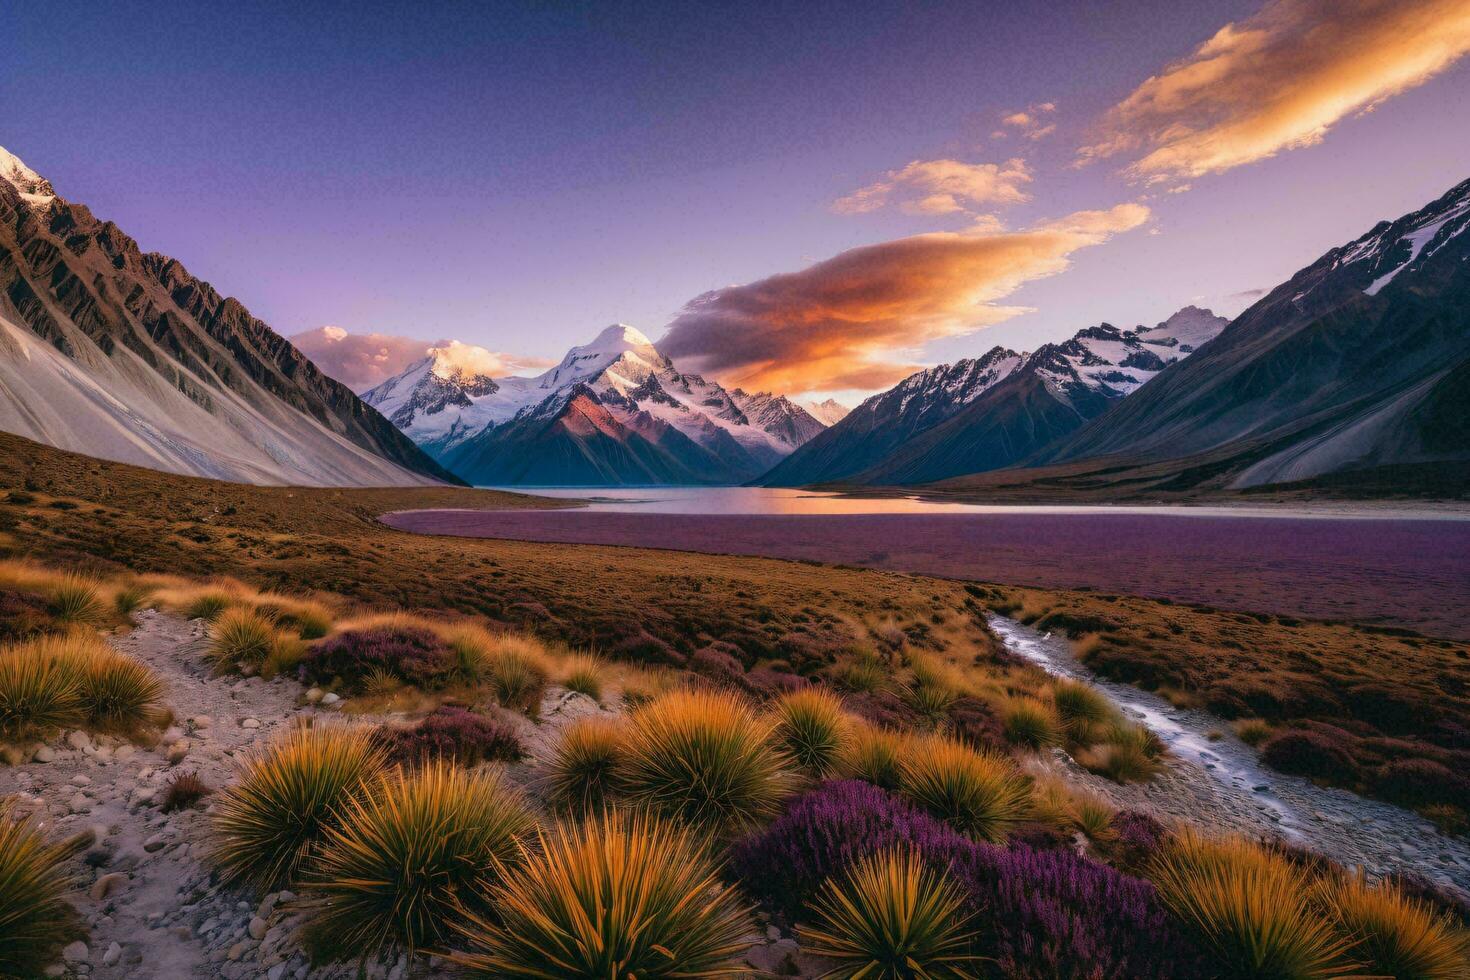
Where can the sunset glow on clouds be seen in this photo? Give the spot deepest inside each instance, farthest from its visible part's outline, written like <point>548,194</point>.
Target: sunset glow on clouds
<point>1279,80</point>
<point>361,361</point>
<point>942,187</point>
<point>855,320</point>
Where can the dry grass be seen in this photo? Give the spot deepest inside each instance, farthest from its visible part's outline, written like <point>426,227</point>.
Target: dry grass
<point>978,793</point>
<point>586,772</point>
<point>1392,935</point>
<point>36,920</point>
<point>584,674</point>
<point>813,728</point>
<point>873,755</point>
<point>74,680</point>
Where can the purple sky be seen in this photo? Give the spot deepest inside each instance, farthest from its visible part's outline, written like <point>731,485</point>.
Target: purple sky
<point>517,176</point>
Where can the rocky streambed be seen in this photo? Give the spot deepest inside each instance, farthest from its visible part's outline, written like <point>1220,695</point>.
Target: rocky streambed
<point>1216,780</point>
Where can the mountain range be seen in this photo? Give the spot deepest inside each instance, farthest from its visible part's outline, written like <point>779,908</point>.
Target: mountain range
<point>994,410</point>
<point>614,411</point>
<point>122,354</point>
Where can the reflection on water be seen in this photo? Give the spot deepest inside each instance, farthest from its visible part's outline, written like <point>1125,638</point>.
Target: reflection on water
<point>773,500</point>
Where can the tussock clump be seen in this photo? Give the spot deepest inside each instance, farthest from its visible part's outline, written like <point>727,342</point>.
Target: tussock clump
<point>706,758</point>
<point>76,599</point>
<point>813,729</point>
<point>308,619</point>
<point>240,637</point>
<point>266,824</point>
<point>977,793</point>
<point>1249,908</point>
<point>892,918</point>
<point>130,596</point>
<point>471,645</point>
<point>1309,753</point>
<point>873,755</point>
<point>36,921</point>
<point>1130,754</point>
<point>865,673</point>
<point>931,703</point>
<point>118,693</point>
<point>1392,935</point>
<point>1030,724</point>
<point>208,604</point>
<point>616,896</point>
<point>184,791</point>
<point>40,688</point>
<point>586,773</point>
<point>1083,709</point>
<point>415,853</point>
<point>583,673</point>
<point>1252,731</point>
<point>456,735</point>
<point>519,672</point>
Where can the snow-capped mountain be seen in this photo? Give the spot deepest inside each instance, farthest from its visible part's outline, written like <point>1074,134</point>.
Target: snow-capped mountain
<point>828,412</point>
<point>120,354</point>
<point>1360,360</point>
<point>991,411</point>
<point>615,410</point>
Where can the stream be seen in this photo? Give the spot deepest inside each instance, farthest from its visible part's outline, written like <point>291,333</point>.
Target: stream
<point>1225,772</point>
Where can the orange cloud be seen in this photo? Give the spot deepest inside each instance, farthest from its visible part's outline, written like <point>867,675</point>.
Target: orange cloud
<point>1278,81</point>
<point>361,361</point>
<point>1028,121</point>
<point>856,320</point>
<point>942,187</point>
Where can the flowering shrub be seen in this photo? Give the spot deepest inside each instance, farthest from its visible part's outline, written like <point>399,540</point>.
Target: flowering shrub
<point>414,656</point>
<point>1305,753</point>
<point>1040,914</point>
<point>455,734</point>
<point>1137,837</point>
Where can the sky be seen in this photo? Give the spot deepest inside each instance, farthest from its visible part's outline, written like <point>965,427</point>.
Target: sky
<point>814,198</point>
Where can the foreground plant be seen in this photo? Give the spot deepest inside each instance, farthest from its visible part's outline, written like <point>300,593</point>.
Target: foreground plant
<point>873,755</point>
<point>977,793</point>
<point>583,673</point>
<point>76,599</point>
<point>417,852</point>
<point>36,921</point>
<point>615,897</point>
<point>813,728</point>
<point>706,758</point>
<point>40,689</point>
<point>286,798</point>
<point>238,637</point>
<point>892,918</point>
<point>1030,724</point>
<point>118,693</point>
<point>587,769</point>
<point>1249,907</point>
<point>1395,936</point>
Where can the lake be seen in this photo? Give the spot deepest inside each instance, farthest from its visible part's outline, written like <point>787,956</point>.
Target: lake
<point>1395,567</point>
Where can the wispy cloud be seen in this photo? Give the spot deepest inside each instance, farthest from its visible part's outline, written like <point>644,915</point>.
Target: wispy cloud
<point>1029,122</point>
<point>858,320</point>
<point>1279,80</point>
<point>942,187</point>
<point>361,361</point>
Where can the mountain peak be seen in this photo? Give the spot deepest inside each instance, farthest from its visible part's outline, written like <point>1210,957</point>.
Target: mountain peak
<point>617,338</point>
<point>461,360</point>
<point>31,185</point>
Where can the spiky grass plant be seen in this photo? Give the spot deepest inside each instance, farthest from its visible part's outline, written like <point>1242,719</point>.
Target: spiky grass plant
<point>416,852</point>
<point>266,824</point>
<point>587,770</point>
<point>118,693</point>
<point>207,604</point>
<point>1249,908</point>
<point>583,673</point>
<point>864,674</point>
<point>1094,817</point>
<point>1252,731</point>
<point>130,596</point>
<point>873,755</point>
<point>75,599</point>
<point>36,921</point>
<point>40,688</point>
<point>1393,935</point>
<point>240,636</point>
<point>931,701</point>
<point>615,896</point>
<point>307,619</point>
<point>891,918</point>
<point>1082,709</point>
<point>472,647</point>
<point>184,791</point>
<point>1131,754</point>
<point>813,729</point>
<point>287,651</point>
<point>706,758</point>
<point>1030,724</point>
<point>978,793</point>
<point>518,674</point>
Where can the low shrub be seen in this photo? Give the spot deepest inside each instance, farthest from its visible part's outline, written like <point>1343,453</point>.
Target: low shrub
<point>1136,838</point>
<point>1249,908</point>
<point>118,693</point>
<point>979,794</point>
<point>1394,936</point>
<point>1311,754</point>
<point>583,673</point>
<point>874,755</point>
<point>415,656</point>
<point>892,918</point>
<point>208,604</point>
<point>414,853</point>
<point>1252,731</point>
<point>615,896</point>
<point>454,734</point>
<point>1082,708</point>
<point>1130,754</point>
<point>706,758</point>
<point>240,637</point>
<point>75,599</point>
<point>184,791</point>
<point>22,616</point>
<point>266,824</point>
<point>813,729</point>
<point>1421,782</point>
<point>586,771</point>
<point>518,675</point>
<point>1030,724</point>
<point>769,682</point>
<point>36,920</point>
<point>976,723</point>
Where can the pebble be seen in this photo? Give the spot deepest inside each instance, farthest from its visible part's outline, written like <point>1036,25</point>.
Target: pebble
<point>313,695</point>
<point>250,723</point>
<point>113,954</point>
<point>177,752</point>
<point>107,885</point>
<point>155,843</point>
<point>76,952</point>
<point>330,698</point>
<point>44,753</point>
<point>257,928</point>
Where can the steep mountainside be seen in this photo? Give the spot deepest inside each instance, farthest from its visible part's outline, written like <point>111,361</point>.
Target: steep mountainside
<point>1358,361</point>
<point>120,354</point>
<point>989,413</point>
<point>828,412</point>
<point>614,411</point>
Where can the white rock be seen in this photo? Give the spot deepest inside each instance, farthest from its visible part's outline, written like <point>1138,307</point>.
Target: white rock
<point>113,954</point>
<point>330,698</point>
<point>155,843</point>
<point>313,695</point>
<point>80,741</point>
<point>44,753</point>
<point>250,723</point>
<point>76,952</point>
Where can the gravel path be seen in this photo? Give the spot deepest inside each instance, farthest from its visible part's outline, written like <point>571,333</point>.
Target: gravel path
<point>1220,783</point>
